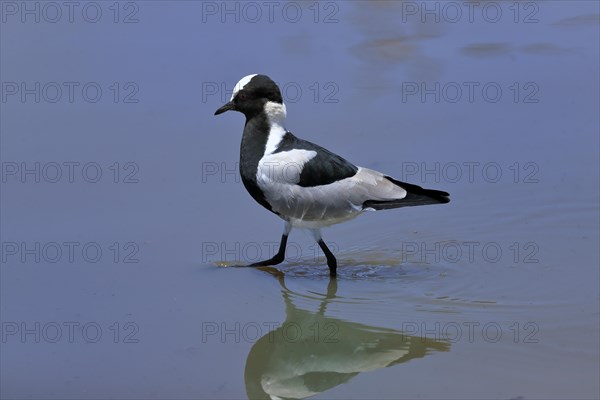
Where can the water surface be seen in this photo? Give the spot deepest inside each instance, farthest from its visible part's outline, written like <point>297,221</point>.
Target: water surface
<point>123,285</point>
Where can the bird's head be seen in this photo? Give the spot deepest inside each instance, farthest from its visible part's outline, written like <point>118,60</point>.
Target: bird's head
<point>254,94</point>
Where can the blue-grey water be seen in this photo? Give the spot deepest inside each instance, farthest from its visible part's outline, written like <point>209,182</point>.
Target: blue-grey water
<point>122,213</point>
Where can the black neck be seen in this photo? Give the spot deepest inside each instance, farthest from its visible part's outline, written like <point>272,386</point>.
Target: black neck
<point>252,149</point>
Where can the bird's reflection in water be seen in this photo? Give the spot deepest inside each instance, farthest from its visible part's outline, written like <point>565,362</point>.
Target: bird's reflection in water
<point>311,352</point>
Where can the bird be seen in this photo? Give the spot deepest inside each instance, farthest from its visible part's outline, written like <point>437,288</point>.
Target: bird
<point>306,185</point>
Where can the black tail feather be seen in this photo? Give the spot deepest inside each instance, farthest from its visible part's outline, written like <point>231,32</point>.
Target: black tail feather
<point>416,196</point>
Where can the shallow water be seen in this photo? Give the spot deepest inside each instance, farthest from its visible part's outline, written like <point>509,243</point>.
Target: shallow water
<point>124,285</point>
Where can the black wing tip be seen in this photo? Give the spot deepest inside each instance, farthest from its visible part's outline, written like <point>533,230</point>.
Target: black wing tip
<point>439,195</point>
<point>415,196</point>
<point>416,189</point>
<point>410,200</point>
<point>443,200</point>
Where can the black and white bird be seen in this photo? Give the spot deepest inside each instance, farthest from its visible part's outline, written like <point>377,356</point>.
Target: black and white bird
<point>303,183</point>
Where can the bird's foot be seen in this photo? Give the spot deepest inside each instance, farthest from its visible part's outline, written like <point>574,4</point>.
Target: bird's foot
<point>265,263</point>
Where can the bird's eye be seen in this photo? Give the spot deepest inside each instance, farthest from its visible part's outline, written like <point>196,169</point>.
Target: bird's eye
<point>241,96</point>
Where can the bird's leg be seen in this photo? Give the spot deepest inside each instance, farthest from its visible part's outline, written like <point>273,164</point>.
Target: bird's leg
<point>277,258</point>
<point>331,261</point>
<point>280,256</point>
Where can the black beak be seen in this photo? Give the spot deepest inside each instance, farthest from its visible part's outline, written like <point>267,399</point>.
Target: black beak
<point>225,107</point>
